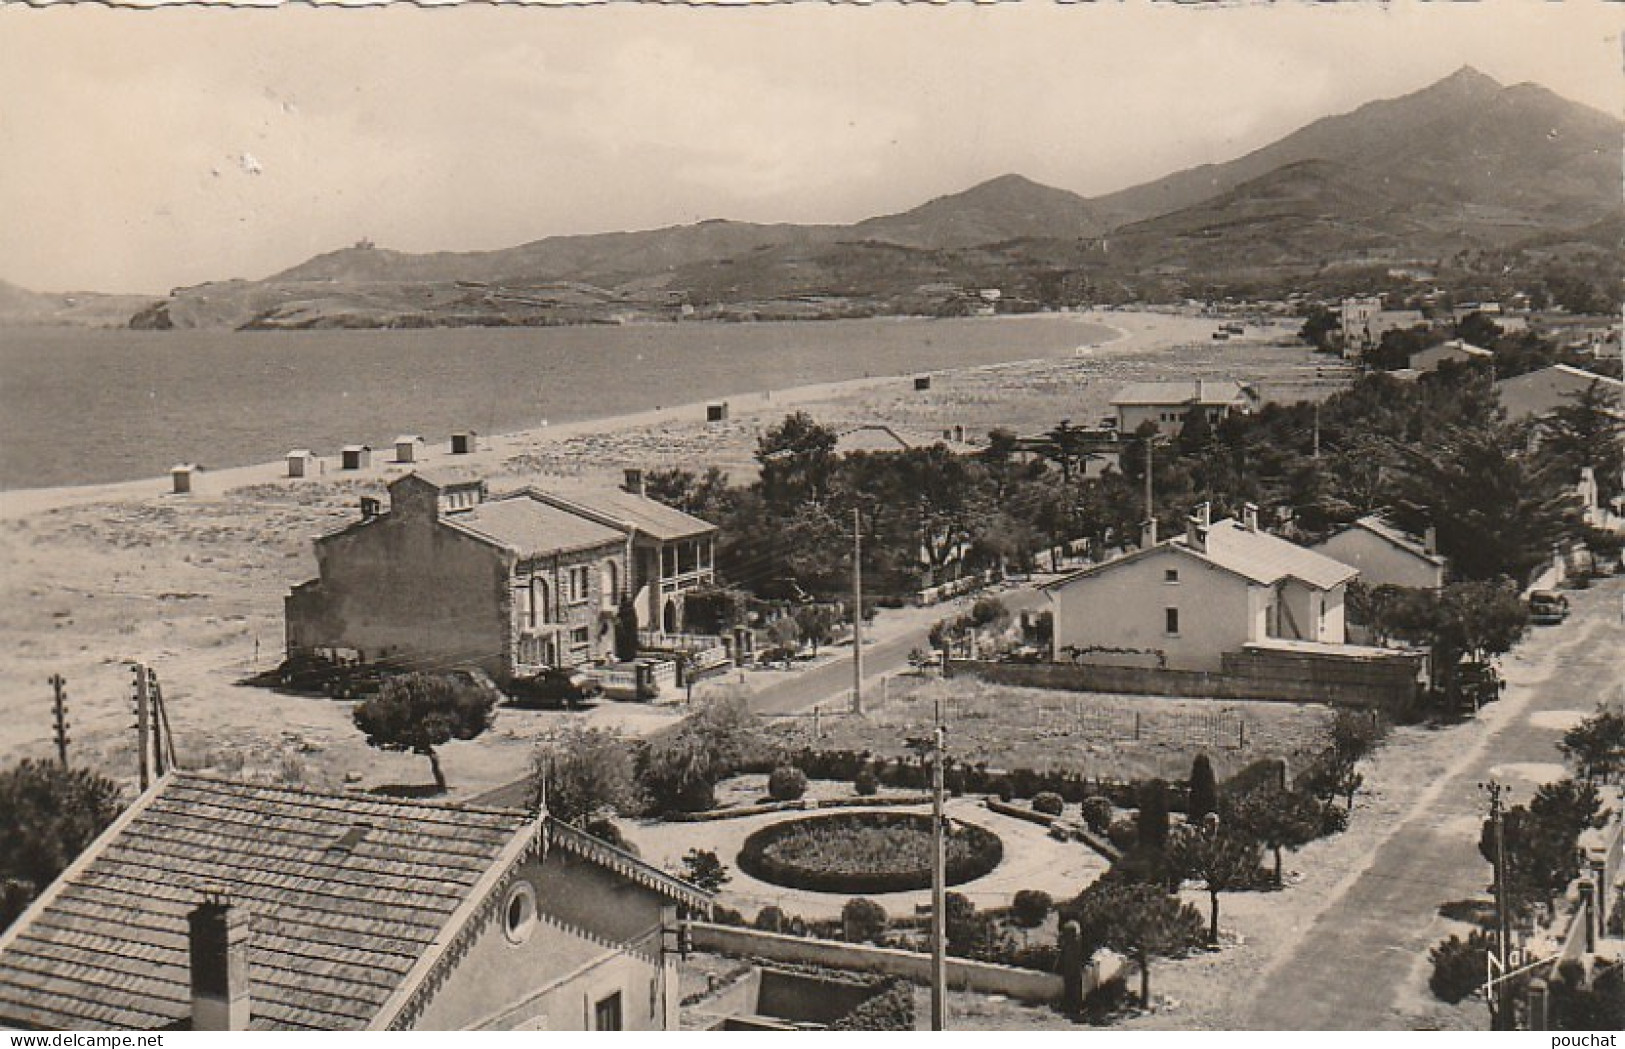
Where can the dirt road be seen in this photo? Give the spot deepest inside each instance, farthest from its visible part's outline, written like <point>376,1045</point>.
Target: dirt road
<point>1361,964</point>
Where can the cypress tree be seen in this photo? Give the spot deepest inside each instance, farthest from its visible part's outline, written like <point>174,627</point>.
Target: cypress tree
<point>1204,790</point>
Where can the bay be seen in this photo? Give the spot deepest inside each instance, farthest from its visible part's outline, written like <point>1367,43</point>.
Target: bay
<point>91,406</point>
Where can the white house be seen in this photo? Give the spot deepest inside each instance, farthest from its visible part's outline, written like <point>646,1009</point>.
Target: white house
<point>1167,403</point>
<point>1385,555</point>
<point>1183,603</point>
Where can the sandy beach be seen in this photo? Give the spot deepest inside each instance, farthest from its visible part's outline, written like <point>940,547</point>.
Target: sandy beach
<point>100,576</point>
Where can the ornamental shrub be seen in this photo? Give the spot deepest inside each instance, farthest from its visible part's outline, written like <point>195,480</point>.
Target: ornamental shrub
<point>771,919</point>
<point>1123,832</point>
<point>1097,813</point>
<point>865,784</point>
<point>862,920</point>
<point>891,1010</point>
<point>786,783</point>
<point>1458,966</point>
<point>1049,803</point>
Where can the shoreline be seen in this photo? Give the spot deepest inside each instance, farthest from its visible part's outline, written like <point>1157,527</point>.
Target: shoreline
<point>493,449</point>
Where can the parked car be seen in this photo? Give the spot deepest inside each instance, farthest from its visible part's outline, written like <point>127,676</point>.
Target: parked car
<point>555,687</point>
<point>1547,608</point>
<point>1478,684</point>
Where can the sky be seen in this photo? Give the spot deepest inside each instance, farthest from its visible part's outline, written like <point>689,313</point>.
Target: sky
<point>147,149</point>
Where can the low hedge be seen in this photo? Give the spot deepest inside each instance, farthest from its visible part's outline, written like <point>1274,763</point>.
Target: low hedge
<point>907,772</point>
<point>972,852</point>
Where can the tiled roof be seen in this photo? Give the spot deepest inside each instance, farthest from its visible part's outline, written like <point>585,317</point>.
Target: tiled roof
<point>1204,391</point>
<point>533,528</point>
<point>649,516</point>
<point>334,931</point>
<point>1409,543</point>
<point>353,902</point>
<point>1542,392</point>
<point>443,476</point>
<point>1268,559</point>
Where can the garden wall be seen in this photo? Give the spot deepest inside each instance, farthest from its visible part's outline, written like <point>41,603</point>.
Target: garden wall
<point>1256,676</point>
<point>1027,985</point>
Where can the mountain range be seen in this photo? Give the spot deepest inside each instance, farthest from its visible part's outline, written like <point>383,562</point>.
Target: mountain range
<point>1465,172</point>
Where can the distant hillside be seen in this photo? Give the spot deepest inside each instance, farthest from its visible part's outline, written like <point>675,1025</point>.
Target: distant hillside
<point>1006,208</point>
<point>20,307</point>
<point>1494,181</point>
<point>1521,148</point>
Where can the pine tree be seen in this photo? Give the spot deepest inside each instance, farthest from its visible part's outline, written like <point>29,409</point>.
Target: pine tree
<point>1204,790</point>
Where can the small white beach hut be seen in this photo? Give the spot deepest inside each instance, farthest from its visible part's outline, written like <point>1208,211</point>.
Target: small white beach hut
<point>355,457</point>
<point>408,448</point>
<point>180,477</point>
<point>301,462</point>
<point>464,443</point>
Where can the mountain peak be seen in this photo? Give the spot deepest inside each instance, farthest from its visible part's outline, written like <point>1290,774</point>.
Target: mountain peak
<point>1465,81</point>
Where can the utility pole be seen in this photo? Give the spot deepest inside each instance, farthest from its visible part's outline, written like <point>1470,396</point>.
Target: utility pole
<point>1150,509</point>
<point>143,727</point>
<point>1502,1019</point>
<point>939,865</point>
<point>857,612</point>
<point>59,705</point>
<point>162,745</point>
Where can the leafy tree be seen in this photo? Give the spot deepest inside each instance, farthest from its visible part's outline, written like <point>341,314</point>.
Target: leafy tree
<point>1498,510</point>
<point>797,460</point>
<point>863,920</point>
<point>1321,328</point>
<point>1152,823</point>
<point>702,869</point>
<point>1277,819</point>
<point>816,624</point>
<point>1596,747</point>
<point>1204,789</point>
<point>1356,733</point>
<point>1541,842</point>
<point>1599,1007</point>
<point>1587,430</point>
<point>419,712</point>
<point>1195,432</point>
<point>1458,966</point>
<point>1223,861</point>
<point>1477,620</point>
<point>1029,907</point>
<point>786,635</point>
<point>1478,329</point>
<point>1139,921</point>
<point>48,814</point>
<point>771,919</point>
<point>583,772</point>
<point>626,630</point>
<point>681,770</point>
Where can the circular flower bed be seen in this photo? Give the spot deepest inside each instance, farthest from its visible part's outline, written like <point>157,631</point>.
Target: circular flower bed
<point>865,852</point>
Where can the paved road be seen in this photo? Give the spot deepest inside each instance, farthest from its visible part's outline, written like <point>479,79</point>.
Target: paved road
<point>828,685</point>
<point>1362,965</point>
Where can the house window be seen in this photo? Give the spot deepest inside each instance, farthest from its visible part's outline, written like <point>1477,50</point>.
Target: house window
<point>1170,575</point>
<point>580,635</point>
<point>519,912</point>
<point>1171,621</point>
<point>606,1015</point>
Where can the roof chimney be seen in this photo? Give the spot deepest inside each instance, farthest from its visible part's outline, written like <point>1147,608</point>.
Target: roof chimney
<point>634,481</point>
<point>1148,534</point>
<point>1430,539</point>
<point>1249,516</point>
<point>219,949</point>
<point>1196,527</point>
